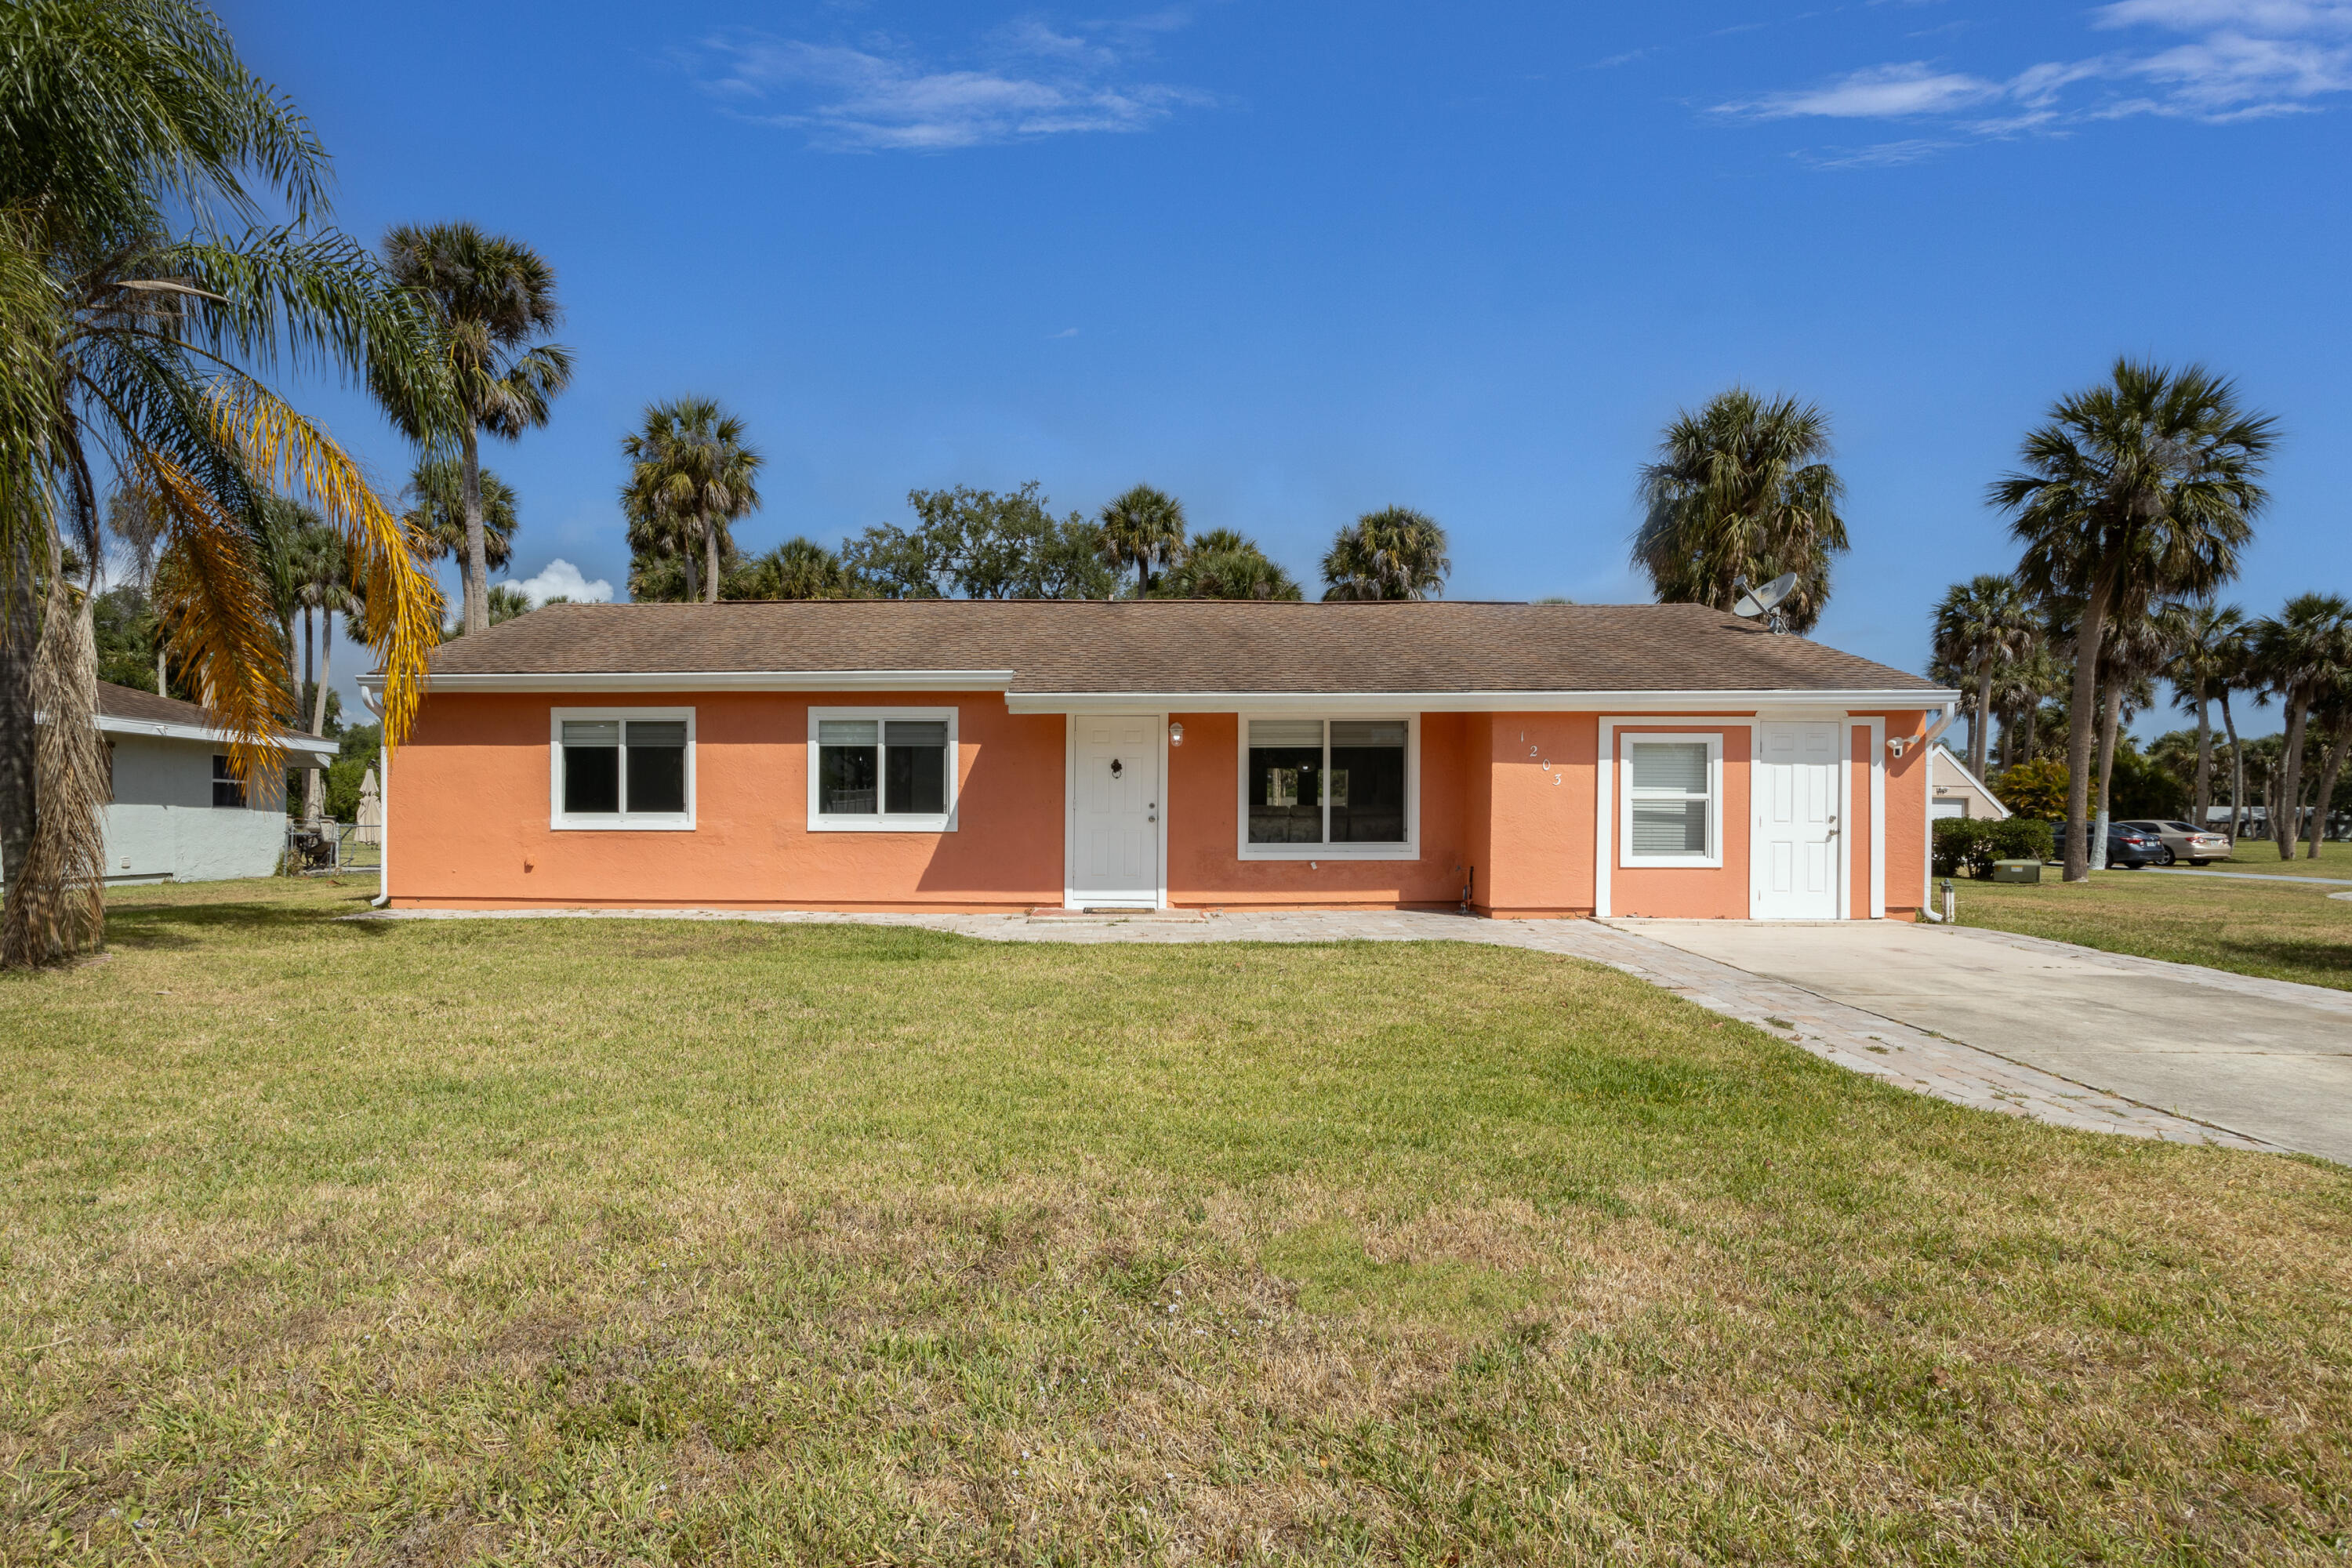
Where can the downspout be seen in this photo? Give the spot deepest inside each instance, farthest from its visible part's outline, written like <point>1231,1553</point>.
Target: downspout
<point>383,804</point>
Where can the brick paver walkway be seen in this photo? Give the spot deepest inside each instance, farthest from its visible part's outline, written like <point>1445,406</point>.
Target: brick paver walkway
<point>1863,1041</point>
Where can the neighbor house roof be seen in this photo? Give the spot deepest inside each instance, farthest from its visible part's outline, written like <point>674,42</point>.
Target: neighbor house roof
<point>126,709</point>
<point>1037,649</point>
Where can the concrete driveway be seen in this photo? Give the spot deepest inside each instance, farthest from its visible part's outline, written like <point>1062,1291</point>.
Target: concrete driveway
<point>2263,1057</point>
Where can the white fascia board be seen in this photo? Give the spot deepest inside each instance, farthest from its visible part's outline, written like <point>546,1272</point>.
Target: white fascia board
<point>110,724</point>
<point>1389,702</point>
<point>723,681</point>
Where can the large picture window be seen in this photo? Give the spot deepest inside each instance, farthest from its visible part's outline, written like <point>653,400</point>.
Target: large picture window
<point>889,770</point>
<point>626,768</point>
<point>1673,796</point>
<point>1336,788</point>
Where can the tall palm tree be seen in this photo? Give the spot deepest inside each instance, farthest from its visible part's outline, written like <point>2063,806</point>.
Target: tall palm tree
<point>495,300</point>
<point>1981,625</point>
<point>1393,554</point>
<point>691,475</point>
<point>1143,528</point>
<point>2146,484</point>
<point>2211,648</point>
<point>1741,493</point>
<point>2331,715</point>
<point>435,494</point>
<point>2135,647</point>
<point>2301,653</point>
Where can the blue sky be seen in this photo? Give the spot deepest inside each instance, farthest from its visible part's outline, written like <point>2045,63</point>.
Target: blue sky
<point>1294,262</point>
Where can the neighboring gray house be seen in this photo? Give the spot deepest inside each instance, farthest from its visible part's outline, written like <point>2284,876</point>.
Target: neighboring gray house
<point>178,815</point>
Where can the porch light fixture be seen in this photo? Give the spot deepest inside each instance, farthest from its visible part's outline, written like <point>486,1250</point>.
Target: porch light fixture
<point>1175,734</point>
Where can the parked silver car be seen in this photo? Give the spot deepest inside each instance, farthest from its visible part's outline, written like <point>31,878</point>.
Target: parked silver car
<point>2185,844</point>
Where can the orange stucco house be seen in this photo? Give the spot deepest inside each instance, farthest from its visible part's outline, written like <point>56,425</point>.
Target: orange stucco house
<point>1525,760</point>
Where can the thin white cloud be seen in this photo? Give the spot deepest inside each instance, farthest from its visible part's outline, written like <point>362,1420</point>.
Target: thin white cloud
<point>2233,59</point>
<point>1030,79</point>
<point>1880,93</point>
<point>559,579</point>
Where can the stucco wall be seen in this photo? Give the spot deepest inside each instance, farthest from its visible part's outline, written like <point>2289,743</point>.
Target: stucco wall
<point>164,825</point>
<point>1205,865</point>
<point>1505,801</point>
<point>470,812</point>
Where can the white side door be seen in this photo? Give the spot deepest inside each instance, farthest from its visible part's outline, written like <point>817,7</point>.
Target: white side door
<point>1114,806</point>
<point>1795,865</point>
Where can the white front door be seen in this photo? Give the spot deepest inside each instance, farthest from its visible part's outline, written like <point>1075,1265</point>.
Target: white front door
<point>1795,870</point>
<point>1114,806</point>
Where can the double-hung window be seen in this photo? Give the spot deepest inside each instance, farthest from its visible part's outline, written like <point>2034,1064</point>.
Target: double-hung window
<point>1673,811</point>
<point>1328,788</point>
<point>889,770</point>
<point>624,768</point>
<point>227,788</point>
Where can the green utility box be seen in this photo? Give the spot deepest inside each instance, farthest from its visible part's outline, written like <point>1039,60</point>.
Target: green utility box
<point>2017,870</point>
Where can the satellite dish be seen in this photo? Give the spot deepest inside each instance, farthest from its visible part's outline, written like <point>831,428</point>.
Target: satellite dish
<point>1764,600</point>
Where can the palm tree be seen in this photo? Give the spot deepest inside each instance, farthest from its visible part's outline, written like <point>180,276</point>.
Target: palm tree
<point>1144,528</point>
<point>796,569</point>
<point>1981,625</point>
<point>2331,714</point>
<point>495,301</point>
<point>691,475</point>
<point>504,602</point>
<point>2301,653</point>
<point>2135,647</point>
<point>1393,554</point>
<point>1742,492</point>
<point>2146,484</point>
<point>1223,564</point>
<point>2211,648</point>
<point>435,494</point>
<point>161,241</point>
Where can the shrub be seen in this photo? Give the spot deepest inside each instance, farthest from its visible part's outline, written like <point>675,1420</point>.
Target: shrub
<point>1968,845</point>
<point>2037,788</point>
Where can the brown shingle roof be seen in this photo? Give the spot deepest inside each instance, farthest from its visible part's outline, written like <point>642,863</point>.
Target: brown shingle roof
<point>129,702</point>
<point>1185,645</point>
<point>146,708</point>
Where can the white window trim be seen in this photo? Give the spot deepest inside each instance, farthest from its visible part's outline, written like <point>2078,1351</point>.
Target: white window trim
<point>904,821</point>
<point>615,821</point>
<point>1626,741</point>
<point>1408,850</point>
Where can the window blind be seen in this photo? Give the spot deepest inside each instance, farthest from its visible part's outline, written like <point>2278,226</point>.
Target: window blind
<point>1677,765</point>
<point>913,731</point>
<point>657,733</point>
<point>1286,732</point>
<point>845,731</point>
<point>1360,733</point>
<point>598,732</point>
<point>1670,827</point>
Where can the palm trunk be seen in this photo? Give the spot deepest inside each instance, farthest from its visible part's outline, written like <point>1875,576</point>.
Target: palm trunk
<point>2202,799</point>
<point>477,565</point>
<point>2237,771</point>
<point>2111,713</point>
<point>2290,790</point>
<point>20,623</point>
<point>2337,743</point>
<point>1981,740</point>
<point>312,779</point>
<point>693,579</point>
<point>710,548</point>
<point>163,670</point>
<point>310,664</point>
<point>2079,721</point>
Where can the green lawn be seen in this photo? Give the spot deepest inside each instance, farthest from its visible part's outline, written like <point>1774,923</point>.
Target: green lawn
<point>669,1242</point>
<point>2282,930</point>
<point>2252,855</point>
